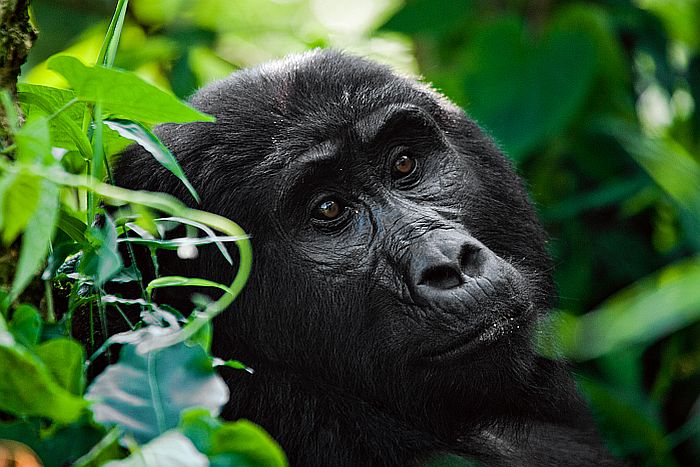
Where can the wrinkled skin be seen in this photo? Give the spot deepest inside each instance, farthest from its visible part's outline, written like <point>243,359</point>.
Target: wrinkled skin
<point>399,269</point>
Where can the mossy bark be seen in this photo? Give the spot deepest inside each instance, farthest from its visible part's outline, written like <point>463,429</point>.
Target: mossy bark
<point>16,39</point>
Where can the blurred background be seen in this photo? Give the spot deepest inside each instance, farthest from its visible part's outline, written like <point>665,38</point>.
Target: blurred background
<point>596,103</point>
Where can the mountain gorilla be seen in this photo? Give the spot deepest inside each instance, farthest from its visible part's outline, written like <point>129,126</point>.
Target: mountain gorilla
<point>399,269</point>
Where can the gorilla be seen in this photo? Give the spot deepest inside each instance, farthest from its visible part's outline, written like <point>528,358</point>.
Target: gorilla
<point>399,271</point>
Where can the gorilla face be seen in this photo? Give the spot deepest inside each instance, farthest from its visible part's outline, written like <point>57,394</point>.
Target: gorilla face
<point>372,234</point>
<point>396,253</point>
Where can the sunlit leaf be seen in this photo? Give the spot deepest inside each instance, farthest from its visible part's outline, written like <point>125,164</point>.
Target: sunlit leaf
<point>65,126</point>
<point>34,141</point>
<point>123,94</point>
<point>19,198</point>
<point>111,41</point>
<point>650,309</point>
<point>666,162</point>
<point>37,236</point>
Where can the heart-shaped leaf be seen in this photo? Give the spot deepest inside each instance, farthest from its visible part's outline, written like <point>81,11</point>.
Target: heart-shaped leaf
<point>145,391</point>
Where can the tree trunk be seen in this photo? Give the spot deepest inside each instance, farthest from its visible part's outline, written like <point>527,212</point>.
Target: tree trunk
<point>16,38</point>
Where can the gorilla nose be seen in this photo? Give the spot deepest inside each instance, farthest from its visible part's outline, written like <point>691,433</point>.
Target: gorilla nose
<point>446,260</point>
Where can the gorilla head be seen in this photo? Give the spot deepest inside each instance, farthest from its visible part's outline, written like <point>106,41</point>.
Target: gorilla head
<point>398,270</point>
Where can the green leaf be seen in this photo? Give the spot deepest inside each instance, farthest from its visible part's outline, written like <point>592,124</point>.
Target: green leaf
<point>178,281</point>
<point>172,449</point>
<point>25,325</point>
<point>102,261</point>
<point>146,390</point>
<point>547,83</point>
<point>203,336</point>
<point>248,441</point>
<point>241,443</point>
<point>430,17</point>
<point>73,227</point>
<point>209,234</point>
<point>56,447</point>
<point>123,94</point>
<point>28,388</point>
<point>114,32</point>
<point>36,238</point>
<point>107,449</point>
<point>34,141</point>
<point>19,198</point>
<point>65,126</point>
<point>666,162</point>
<point>63,446</point>
<point>237,364</point>
<point>648,310</point>
<point>150,142</point>
<point>449,460</point>
<point>631,428</point>
<point>65,359</point>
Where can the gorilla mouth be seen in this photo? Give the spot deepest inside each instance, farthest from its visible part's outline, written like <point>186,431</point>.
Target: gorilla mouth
<point>486,335</point>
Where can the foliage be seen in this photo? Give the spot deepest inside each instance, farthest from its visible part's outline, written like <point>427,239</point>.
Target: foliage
<point>595,102</point>
<point>53,203</point>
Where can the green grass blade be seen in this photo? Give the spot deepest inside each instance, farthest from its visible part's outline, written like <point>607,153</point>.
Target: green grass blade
<point>114,32</point>
<point>150,142</point>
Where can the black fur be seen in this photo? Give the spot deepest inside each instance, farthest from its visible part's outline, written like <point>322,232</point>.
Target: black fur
<point>402,329</point>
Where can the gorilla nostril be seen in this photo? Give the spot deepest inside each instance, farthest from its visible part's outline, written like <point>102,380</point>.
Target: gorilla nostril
<point>471,261</point>
<point>441,277</point>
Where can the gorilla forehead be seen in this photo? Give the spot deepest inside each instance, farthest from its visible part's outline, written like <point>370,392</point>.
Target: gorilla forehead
<point>286,107</point>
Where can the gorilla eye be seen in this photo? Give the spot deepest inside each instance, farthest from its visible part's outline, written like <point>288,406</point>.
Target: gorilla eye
<point>403,166</point>
<point>328,210</point>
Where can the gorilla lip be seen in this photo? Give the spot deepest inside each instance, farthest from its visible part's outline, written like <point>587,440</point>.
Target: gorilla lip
<point>502,327</point>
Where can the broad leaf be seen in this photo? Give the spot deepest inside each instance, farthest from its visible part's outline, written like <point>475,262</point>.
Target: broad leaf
<point>145,391</point>
<point>430,17</point>
<point>65,126</point>
<point>123,94</point>
<point>241,443</point>
<point>65,359</point>
<point>27,387</point>
<point>245,442</point>
<point>546,83</point>
<point>25,325</point>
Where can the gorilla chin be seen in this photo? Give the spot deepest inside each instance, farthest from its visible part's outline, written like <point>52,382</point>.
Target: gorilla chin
<point>399,270</point>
